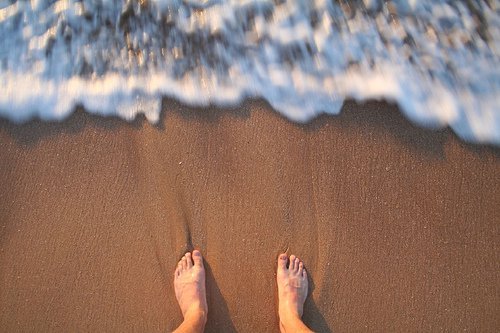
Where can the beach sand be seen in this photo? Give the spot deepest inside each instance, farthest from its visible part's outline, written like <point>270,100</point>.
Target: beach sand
<point>397,225</point>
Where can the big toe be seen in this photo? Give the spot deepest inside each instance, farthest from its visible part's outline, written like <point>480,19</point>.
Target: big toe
<point>282,259</point>
<point>197,258</point>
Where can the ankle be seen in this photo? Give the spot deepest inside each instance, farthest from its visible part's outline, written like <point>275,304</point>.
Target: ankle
<point>194,321</point>
<point>196,313</point>
<point>293,323</point>
<point>287,312</point>
<point>290,320</point>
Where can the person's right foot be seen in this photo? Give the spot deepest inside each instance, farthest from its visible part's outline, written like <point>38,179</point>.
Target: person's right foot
<point>189,285</point>
<point>292,287</point>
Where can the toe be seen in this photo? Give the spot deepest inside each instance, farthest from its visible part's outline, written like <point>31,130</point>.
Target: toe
<point>296,266</point>
<point>184,263</point>
<point>282,259</point>
<point>292,262</point>
<point>189,261</point>
<point>197,258</point>
<point>304,274</point>
<point>179,266</point>
<point>301,268</point>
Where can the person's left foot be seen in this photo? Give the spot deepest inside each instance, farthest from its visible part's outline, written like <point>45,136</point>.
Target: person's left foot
<point>189,285</point>
<point>292,286</point>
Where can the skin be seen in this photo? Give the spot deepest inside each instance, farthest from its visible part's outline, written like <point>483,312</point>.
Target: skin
<point>189,285</point>
<point>292,293</point>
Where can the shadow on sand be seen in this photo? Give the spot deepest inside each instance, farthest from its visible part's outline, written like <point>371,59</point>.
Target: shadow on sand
<point>219,319</point>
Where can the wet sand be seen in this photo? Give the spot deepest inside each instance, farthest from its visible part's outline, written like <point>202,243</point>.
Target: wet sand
<point>398,226</point>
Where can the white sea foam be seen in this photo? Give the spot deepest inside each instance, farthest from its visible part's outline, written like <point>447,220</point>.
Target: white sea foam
<point>438,60</point>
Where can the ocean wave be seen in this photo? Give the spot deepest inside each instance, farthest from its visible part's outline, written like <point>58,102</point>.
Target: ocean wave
<point>438,60</point>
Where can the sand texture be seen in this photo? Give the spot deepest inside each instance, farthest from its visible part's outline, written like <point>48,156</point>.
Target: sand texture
<point>398,226</point>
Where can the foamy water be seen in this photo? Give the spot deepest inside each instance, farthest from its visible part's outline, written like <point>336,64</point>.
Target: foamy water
<point>438,60</point>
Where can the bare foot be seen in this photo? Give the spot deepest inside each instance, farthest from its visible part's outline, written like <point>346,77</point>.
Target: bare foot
<point>189,285</point>
<point>292,292</point>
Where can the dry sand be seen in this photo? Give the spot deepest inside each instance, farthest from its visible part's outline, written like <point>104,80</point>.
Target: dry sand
<point>398,226</point>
